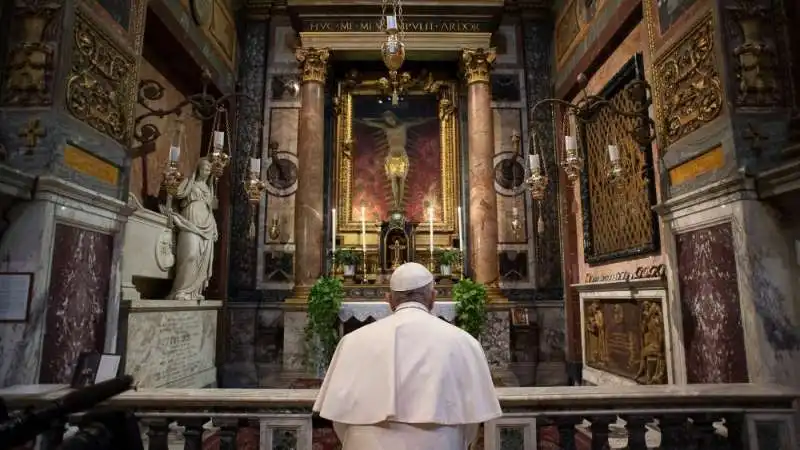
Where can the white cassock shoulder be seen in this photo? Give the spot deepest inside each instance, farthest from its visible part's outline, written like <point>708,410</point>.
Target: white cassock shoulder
<point>412,368</point>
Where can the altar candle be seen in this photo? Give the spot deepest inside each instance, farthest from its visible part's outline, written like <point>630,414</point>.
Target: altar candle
<point>430,216</point>
<point>333,231</point>
<point>613,153</point>
<point>174,153</point>
<point>460,230</point>
<point>571,143</point>
<point>219,140</point>
<point>255,166</point>
<point>534,162</point>
<point>364,232</point>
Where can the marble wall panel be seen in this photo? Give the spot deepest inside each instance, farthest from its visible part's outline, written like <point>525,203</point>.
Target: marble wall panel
<point>254,343</point>
<point>509,177</point>
<point>252,82</point>
<point>76,310</point>
<point>768,263</point>
<point>712,323</point>
<point>496,339</point>
<point>283,132</point>
<point>537,37</point>
<point>146,170</point>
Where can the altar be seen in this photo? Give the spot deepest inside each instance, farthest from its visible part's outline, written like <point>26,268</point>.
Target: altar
<point>363,311</point>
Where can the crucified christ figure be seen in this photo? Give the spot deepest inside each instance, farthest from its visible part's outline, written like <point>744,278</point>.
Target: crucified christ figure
<point>397,163</point>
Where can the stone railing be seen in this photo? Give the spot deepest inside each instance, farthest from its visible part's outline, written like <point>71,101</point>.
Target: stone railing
<point>701,417</point>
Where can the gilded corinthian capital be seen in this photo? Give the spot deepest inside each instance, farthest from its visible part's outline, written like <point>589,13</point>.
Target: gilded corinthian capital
<point>477,63</point>
<point>314,62</point>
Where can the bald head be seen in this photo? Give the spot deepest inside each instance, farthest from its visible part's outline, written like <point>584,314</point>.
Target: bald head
<point>412,282</point>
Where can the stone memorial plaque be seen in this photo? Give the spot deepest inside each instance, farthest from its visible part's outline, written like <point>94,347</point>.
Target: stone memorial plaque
<point>626,337</point>
<point>169,348</point>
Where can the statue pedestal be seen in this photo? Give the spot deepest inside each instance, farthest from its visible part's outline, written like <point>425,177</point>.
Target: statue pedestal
<point>169,343</point>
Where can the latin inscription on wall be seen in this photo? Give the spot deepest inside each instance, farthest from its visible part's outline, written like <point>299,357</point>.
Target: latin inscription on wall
<point>410,26</point>
<point>165,348</point>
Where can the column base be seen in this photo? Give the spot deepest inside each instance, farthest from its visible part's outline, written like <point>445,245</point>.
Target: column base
<point>495,295</point>
<point>299,295</point>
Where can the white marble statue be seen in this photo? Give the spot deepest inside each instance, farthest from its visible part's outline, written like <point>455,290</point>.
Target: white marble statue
<point>197,232</point>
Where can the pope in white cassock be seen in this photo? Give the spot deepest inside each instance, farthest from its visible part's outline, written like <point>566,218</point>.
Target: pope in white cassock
<point>410,381</point>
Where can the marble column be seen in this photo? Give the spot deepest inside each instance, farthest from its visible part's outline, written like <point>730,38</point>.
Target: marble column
<point>308,222</point>
<point>482,198</point>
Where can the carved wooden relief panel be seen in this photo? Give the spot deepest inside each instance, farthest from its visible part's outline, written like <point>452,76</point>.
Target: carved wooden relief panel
<point>617,218</point>
<point>101,82</point>
<point>689,83</point>
<point>626,337</point>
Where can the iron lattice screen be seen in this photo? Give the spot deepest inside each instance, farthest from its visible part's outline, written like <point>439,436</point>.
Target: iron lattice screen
<point>617,218</point>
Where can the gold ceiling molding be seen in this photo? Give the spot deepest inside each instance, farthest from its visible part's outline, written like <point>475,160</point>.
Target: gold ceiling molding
<point>414,42</point>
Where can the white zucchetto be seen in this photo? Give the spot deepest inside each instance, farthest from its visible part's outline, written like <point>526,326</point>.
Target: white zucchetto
<point>410,276</point>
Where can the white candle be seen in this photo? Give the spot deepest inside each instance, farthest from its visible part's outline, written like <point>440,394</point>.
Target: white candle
<point>613,153</point>
<point>460,231</point>
<point>364,231</point>
<point>430,216</point>
<point>174,153</point>
<point>333,231</point>
<point>534,162</point>
<point>219,140</point>
<point>571,143</point>
<point>255,166</point>
<point>391,23</point>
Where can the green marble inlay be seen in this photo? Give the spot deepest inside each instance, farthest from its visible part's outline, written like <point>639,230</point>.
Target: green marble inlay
<point>512,438</point>
<point>284,439</point>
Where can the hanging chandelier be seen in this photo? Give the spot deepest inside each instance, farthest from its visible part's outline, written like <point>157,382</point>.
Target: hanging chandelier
<point>393,50</point>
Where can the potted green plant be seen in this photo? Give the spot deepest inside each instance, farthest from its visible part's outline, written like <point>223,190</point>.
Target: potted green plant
<point>322,329</point>
<point>349,259</point>
<point>447,257</point>
<point>470,299</point>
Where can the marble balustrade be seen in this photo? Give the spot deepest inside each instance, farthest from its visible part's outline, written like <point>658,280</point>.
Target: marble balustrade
<point>712,416</point>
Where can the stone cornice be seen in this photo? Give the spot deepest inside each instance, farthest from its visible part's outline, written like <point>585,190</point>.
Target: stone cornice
<point>737,187</point>
<point>622,285</point>
<point>414,42</point>
<point>51,188</point>
<point>780,180</point>
<point>16,183</point>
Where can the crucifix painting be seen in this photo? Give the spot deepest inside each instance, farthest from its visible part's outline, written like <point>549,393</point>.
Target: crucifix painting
<point>397,162</point>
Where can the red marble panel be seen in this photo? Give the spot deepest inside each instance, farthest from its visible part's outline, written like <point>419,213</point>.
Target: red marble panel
<point>76,304</point>
<point>712,323</point>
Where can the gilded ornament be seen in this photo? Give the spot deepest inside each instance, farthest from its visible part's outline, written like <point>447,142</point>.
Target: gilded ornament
<point>652,363</point>
<point>689,83</point>
<point>31,59</point>
<point>313,63</point>
<point>99,82</point>
<point>755,57</point>
<point>477,64</point>
<point>31,133</point>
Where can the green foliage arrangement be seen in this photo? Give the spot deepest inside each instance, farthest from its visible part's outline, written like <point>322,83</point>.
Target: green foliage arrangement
<point>322,329</point>
<point>470,298</point>
<point>448,256</point>
<point>347,257</point>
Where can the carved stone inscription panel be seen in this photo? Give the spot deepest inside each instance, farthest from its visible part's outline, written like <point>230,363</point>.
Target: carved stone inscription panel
<point>626,337</point>
<point>100,82</point>
<point>689,83</point>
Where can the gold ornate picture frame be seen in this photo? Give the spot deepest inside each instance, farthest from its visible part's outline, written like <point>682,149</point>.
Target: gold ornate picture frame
<point>345,145</point>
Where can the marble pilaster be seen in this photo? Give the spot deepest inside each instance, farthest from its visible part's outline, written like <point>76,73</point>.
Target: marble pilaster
<point>28,246</point>
<point>308,226</point>
<point>482,198</point>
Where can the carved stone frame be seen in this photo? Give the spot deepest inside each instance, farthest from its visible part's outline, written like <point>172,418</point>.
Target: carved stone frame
<point>633,69</point>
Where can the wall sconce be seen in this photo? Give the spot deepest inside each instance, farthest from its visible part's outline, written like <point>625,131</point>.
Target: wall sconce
<point>275,229</point>
<point>254,187</point>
